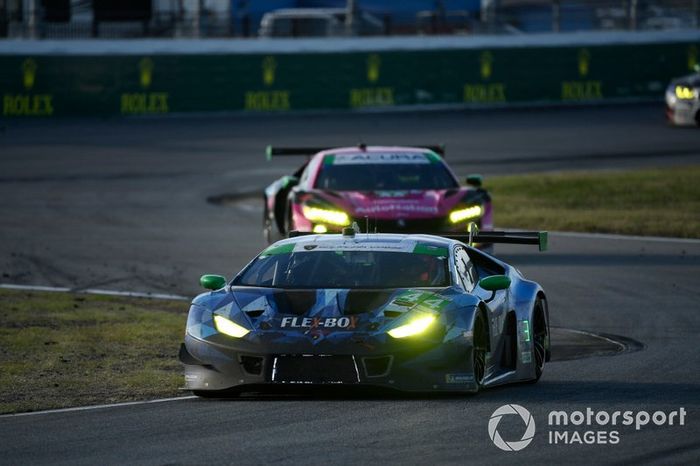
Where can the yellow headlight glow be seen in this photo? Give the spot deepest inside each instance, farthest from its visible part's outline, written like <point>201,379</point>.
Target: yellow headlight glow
<point>412,328</point>
<point>320,229</point>
<point>334,217</point>
<point>684,92</point>
<point>229,328</point>
<point>460,215</point>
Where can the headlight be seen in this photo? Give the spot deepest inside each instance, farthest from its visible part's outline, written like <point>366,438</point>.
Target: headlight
<point>685,92</point>
<point>229,328</point>
<point>461,215</point>
<point>334,217</point>
<point>416,326</point>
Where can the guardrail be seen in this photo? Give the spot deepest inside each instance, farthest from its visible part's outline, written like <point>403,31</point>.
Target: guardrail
<point>146,78</point>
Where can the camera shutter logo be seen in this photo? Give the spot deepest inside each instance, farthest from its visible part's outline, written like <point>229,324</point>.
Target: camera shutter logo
<point>529,427</point>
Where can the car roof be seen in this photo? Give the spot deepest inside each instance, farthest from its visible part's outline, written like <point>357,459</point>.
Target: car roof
<point>372,149</point>
<point>366,238</point>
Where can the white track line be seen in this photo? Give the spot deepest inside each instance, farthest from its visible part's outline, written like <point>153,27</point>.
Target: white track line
<point>594,335</point>
<point>89,408</point>
<point>130,294</point>
<point>656,239</point>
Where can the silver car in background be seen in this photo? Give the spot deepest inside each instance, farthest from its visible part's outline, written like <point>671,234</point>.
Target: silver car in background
<point>683,100</point>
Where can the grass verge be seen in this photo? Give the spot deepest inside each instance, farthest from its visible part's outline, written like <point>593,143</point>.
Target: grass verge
<point>60,349</point>
<point>658,202</point>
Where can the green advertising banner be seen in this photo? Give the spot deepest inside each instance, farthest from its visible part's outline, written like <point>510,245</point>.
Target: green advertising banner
<point>78,85</point>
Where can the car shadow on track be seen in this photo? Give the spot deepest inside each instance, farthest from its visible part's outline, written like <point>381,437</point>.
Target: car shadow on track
<point>582,391</point>
<point>579,391</point>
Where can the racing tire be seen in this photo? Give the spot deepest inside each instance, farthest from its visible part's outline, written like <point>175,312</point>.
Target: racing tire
<point>288,223</point>
<point>212,394</point>
<point>479,351</point>
<point>267,227</point>
<point>539,338</point>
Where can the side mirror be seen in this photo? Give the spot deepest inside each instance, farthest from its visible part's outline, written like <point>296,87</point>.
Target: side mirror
<point>289,181</point>
<point>212,282</point>
<point>495,283</point>
<point>475,180</point>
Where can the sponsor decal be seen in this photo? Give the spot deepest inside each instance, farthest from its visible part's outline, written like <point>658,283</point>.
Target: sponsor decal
<point>267,100</point>
<point>583,89</point>
<point>459,378</point>
<point>380,158</point>
<point>145,102</point>
<point>28,103</point>
<point>343,323</point>
<point>269,67</point>
<point>484,93</point>
<point>397,207</point>
<point>411,298</point>
<point>351,245</point>
<point>372,96</point>
<point>374,63</point>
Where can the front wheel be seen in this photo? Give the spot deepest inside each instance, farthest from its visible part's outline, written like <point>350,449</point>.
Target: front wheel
<point>479,351</point>
<point>540,338</point>
<point>216,394</point>
<point>288,222</point>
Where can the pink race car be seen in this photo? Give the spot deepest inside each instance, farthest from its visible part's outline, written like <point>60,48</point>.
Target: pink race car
<point>385,189</point>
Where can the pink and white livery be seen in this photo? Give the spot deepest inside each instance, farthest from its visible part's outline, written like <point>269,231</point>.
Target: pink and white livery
<point>387,189</point>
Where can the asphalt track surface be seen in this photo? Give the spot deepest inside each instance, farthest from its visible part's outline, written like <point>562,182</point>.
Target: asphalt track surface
<point>121,204</point>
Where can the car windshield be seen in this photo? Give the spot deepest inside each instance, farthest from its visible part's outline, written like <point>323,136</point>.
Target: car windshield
<point>385,176</point>
<point>347,269</point>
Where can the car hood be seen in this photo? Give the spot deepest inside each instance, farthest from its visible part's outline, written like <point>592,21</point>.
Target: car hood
<point>391,205</point>
<point>325,311</point>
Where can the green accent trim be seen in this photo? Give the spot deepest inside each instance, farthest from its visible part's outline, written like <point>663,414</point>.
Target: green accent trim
<point>475,180</point>
<point>424,299</point>
<point>526,329</point>
<point>281,249</point>
<point>429,250</point>
<point>268,152</point>
<point>544,240</point>
<point>433,157</point>
<point>212,282</point>
<point>495,282</point>
<point>329,159</point>
<point>289,179</point>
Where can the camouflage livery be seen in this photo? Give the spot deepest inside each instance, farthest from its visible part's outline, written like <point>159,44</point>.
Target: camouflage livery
<point>341,336</point>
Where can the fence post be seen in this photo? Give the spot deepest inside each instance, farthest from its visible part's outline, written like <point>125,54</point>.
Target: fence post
<point>632,15</point>
<point>556,15</point>
<point>196,17</point>
<point>30,18</point>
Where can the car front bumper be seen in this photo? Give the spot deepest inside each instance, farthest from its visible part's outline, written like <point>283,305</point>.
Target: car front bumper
<point>212,367</point>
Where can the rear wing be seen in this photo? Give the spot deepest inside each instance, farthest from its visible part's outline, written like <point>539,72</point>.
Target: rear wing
<point>271,151</point>
<point>538,238</point>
